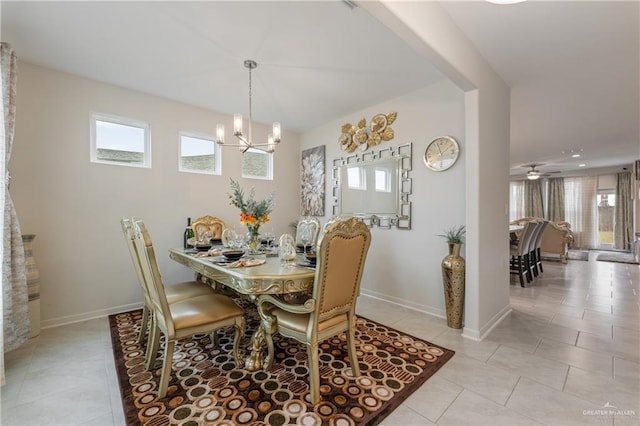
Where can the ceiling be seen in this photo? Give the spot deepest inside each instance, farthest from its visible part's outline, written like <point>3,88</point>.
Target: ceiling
<point>572,66</point>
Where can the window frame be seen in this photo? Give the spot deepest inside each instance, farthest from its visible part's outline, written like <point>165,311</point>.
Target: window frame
<point>217,152</point>
<point>269,155</point>
<point>123,121</point>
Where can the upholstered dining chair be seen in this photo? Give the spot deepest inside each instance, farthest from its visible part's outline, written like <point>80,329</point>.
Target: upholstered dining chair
<point>174,292</point>
<point>520,254</point>
<point>342,251</point>
<point>312,226</point>
<point>536,240</point>
<point>178,320</point>
<point>207,225</point>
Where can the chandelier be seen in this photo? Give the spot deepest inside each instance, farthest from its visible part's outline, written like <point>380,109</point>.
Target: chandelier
<point>246,142</point>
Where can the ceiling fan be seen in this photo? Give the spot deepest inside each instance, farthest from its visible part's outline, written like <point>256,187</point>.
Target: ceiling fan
<point>534,173</point>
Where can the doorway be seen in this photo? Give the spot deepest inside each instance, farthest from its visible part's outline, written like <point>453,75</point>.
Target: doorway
<point>606,200</point>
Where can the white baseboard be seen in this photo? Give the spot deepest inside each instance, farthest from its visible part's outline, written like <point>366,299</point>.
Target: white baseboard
<point>467,332</point>
<point>479,335</point>
<point>70,319</point>
<point>429,310</point>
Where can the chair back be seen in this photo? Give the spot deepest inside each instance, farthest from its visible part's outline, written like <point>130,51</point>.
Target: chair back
<point>342,252</point>
<point>525,237</point>
<point>539,232</point>
<point>127,230</point>
<point>207,225</point>
<point>151,272</point>
<point>308,224</point>
<point>534,234</point>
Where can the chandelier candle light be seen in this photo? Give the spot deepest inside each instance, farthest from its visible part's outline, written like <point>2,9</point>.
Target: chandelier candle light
<point>244,143</point>
<point>252,213</point>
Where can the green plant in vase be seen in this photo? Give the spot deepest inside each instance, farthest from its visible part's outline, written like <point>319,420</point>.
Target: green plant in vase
<point>454,235</point>
<point>252,213</point>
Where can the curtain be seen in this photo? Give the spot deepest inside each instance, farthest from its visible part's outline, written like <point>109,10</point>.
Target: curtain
<point>622,228</point>
<point>555,201</point>
<point>533,206</point>
<point>15,307</point>
<point>516,200</point>
<point>581,208</point>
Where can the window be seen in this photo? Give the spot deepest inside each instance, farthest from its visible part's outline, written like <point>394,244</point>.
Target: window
<point>356,178</point>
<point>119,140</point>
<point>516,200</point>
<point>257,164</point>
<point>199,154</point>
<point>383,179</point>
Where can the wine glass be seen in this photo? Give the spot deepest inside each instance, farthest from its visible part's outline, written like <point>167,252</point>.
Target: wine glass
<point>269,239</point>
<point>305,237</point>
<point>287,249</point>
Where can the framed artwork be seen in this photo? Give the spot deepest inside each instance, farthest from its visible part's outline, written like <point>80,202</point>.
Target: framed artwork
<point>312,185</point>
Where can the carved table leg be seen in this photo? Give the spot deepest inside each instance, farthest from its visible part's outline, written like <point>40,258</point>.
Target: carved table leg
<point>260,340</point>
<point>255,359</point>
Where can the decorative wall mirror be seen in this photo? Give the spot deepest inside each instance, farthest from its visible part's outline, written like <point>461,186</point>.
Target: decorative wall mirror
<point>374,186</point>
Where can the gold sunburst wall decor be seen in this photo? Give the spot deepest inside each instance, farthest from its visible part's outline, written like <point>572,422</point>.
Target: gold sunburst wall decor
<point>361,136</point>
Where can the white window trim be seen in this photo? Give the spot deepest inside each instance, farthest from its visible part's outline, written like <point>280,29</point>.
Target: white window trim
<point>270,166</point>
<point>217,152</point>
<point>97,116</point>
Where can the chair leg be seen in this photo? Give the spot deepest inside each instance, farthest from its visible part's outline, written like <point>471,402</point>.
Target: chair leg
<point>539,259</point>
<point>214,338</point>
<point>520,271</point>
<point>240,327</point>
<point>353,356</point>
<point>145,323</point>
<point>166,368</point>
<point>534,262</point>
<point>314,372</point>
<point>153,345</point>
<point>527,265</point>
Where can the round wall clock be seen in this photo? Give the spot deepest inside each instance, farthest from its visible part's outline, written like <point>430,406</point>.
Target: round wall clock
<point>441,153</point>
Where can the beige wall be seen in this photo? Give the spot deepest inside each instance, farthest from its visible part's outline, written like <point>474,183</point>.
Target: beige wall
<point>74,206</point>
<point>431,32</point>
<point>403,266</point>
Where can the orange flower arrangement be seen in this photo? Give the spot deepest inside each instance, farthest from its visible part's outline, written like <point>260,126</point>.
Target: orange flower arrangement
<point>252,213</point>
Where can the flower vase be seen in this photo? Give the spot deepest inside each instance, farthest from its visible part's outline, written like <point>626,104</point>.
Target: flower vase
<point>453,280</point>
<point>253,239</point>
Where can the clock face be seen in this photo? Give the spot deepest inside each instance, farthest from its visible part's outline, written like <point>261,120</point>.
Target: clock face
<point>441,153</point>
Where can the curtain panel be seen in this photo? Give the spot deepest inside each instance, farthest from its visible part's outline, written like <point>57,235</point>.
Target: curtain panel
<point>533,206</point>
<point>556,200</point>
<point>623,227</point>
<point>15,307</point>
<point>516,200</point>
<point>581,210</point>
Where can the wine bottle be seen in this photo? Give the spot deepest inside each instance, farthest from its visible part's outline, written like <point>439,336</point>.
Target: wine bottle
<point>188,234</point>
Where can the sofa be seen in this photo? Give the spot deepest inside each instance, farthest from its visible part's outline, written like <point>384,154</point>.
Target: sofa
<point>556,239</point>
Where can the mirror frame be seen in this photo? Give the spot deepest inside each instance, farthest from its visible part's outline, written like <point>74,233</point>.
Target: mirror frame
<point>403,155</point>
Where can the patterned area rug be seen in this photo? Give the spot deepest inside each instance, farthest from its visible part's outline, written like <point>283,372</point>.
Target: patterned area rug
<point>207,388</point>
<point>619,257</point>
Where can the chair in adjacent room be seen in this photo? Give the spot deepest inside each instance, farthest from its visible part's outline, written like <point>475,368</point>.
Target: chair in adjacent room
<point>535,243</point>
<point>341,255</point>
<point>174,292</point>
<point>520,254</point>
<point>185,318</point>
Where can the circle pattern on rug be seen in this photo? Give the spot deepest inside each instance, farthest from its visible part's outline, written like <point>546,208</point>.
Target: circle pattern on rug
<point>206,386</point>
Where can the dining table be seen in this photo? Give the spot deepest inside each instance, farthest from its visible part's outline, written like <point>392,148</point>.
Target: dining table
<point>288,280</point>
<point>514,232</point>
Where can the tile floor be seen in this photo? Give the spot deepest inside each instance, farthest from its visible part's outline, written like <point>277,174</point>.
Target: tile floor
<point>567,355</point>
